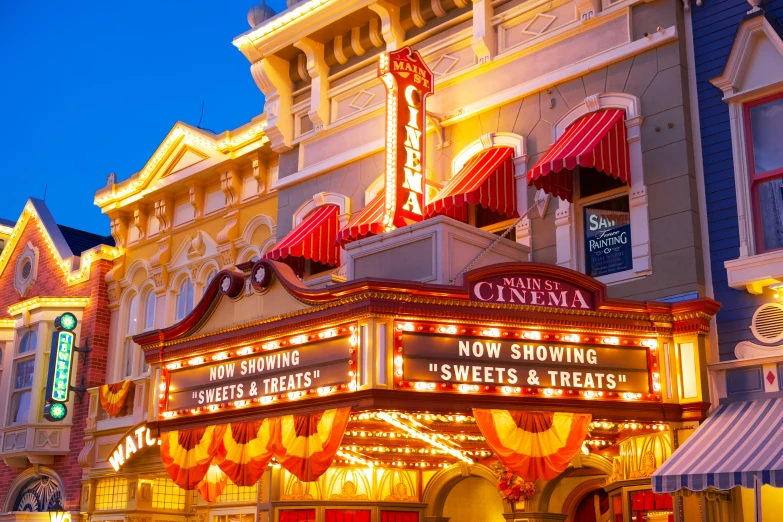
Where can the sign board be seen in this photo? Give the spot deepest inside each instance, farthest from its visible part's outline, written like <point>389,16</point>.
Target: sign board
<point>461,359</point>
<point>309,366</point>
<point>408,82</point>
<point>607,242</point>
<point>136,440</point>
<point>58,381</point>
<point>533,290</point>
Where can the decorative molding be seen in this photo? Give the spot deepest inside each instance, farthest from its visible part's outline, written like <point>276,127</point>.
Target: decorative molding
<point>320,199</point>
<point>437,8</point>
<point>140,221</point>
<point>271,74</point>
<point>376,38</point>
<point>356,41</point>
<point>225,239</point>
<point>486,141</point>
<point>158,261</point>
<point>231,185</point>
<point>23,283</point>
<point>484,41</point>
<point>391,28</point>
<point>318,72</point>
<point>119,229</point>
<point>339,52</point>
<point>416,14</point>
<point>196,198</point>
<point>260,172</point>
<point>164,213</point>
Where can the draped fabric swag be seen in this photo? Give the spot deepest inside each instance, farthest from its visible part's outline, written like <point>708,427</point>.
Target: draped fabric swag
<point>534,445</point>
<point>204,459</point>
<point>114,396</point>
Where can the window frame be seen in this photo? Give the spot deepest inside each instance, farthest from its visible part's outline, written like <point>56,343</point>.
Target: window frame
<point>127,337</point>
<point>22,357</point>
<point>579,207</point>
<point>755,178</point>
<point>179,295</point>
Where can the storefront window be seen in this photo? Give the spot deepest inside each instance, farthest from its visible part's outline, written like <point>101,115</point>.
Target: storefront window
<point>167,495</point>
<point>111,493</point>
<point>765,157</point>
<point>646,505</point>
<point>23,379</point>
<point>297,515</point>
<point>234,493</point>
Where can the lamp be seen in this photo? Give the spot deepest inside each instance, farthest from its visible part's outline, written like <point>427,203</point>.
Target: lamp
<point>57,513</point>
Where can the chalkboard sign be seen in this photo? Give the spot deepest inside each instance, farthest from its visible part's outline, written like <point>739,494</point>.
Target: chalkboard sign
<point>607,242</point>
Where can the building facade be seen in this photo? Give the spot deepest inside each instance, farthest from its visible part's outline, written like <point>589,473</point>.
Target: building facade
<point>46,270</point>
<point>427,177</point>
<point>738,74</point>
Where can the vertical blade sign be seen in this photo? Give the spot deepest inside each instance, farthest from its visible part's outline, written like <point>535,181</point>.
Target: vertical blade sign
<point>408,82</point>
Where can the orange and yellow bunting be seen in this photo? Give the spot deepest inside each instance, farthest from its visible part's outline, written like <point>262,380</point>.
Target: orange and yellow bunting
<point>308,443</point>
<point>113,396</point>
<point>245,449</point>
<point>187,454</point>
<point>213,484</point>
<point>534,445</point>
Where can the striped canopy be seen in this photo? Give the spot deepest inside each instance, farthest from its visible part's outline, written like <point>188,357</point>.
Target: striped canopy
<point>740,441</point>
<point>534,445</point>
<point>596,140</point>
<point>313,238</point>
<point>487,179</point>
<point>367,222</point>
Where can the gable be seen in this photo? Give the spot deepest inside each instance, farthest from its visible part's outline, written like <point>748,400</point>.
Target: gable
<point>186,157</point>
<point>763,66</point>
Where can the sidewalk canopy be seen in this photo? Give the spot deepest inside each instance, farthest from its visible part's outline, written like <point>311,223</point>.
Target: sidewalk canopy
<point>367,222</point>
<point>740,441</point>
<point>597,141</point>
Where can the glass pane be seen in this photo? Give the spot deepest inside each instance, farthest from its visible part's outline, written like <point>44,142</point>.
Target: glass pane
<point>21,407</point>
<point>608,237</point>
<point>29,342</point>
<point>133,315</point>
<point>211,275</point>
<point>24,374</point>
<point>184,299</point>
<point>127,367</point>
<point>592,182</point>
<point>767,135</point>
<point>149,311</point>
<point>771,211</point>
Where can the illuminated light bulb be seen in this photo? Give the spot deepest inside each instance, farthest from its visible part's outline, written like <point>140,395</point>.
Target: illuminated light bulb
<point>610,340</point>
<point>299,339</point>
<point>213,407</point>
<point>162,386</point>
<point>354,340</point>
<point>431,386</point>
<point>506,389</point>
<point>352,386</point>
<point>173,366</point>
<point>271,345</point>
<point>656,386</point>
<point>549,391</point>
<point>573,338</point>
<point>650,343</point>
<point>589,394</point>
<point>560,392</point>
<point>491,332</point>
<point>399,373</point>
<point>532,335</point>
<point>628,395</point>
<point>196,361</point>
<point>245,351</point>
<point>220,357</point>
<point>398,360</point>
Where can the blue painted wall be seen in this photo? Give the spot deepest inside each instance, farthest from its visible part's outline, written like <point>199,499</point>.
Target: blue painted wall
<point>715,24</point>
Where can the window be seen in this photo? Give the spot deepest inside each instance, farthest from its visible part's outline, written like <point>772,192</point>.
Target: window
<point>149,311</point>
<point>606,223</point>
<point>210,276</point>
<point>765,158</point>
<point>131,327</point>
<point>111,493</point>
<point>167,495</point>
<point>184,299</point>
<point>234,493</point>
<point>22,386</point>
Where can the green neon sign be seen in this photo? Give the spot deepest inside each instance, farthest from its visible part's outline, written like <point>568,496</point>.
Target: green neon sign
<point>60,367</point>
<point>55,412</point>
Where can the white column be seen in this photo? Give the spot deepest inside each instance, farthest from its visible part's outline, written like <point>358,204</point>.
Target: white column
<point>640,220</point>
<point>565,235</point>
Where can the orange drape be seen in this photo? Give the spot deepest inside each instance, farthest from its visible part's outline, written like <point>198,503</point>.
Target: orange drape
<point>113,396</point>
<point>308,443</point>
<point>213,484</point>
<point>534,445</point>
<point>187,454</point>
<point>245,450</point>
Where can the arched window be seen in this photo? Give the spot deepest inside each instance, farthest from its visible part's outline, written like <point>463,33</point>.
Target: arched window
<point>210,276</point>
<point>22,385</point>
<point>131,328</point>
<point>149,311</point>
<point>184,298</point>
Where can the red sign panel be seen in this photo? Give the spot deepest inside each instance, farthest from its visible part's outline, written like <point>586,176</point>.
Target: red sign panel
<point>408,82</point>
<point>533,290</point>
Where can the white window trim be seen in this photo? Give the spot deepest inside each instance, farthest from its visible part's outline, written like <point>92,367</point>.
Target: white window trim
<point>752,270</point>
<point>568,229</point>
<point>36,354</point>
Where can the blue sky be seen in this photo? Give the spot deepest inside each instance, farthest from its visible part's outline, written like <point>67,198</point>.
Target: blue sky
<point>88,88</point>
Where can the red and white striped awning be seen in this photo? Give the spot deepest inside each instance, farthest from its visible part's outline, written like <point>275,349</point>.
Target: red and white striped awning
<point>367,222</point>
<point>313,239</point>
<point>596,140</point>
<point>487,179</point>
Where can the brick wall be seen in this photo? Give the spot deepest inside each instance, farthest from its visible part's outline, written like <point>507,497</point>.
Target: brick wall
<point>94,326</point>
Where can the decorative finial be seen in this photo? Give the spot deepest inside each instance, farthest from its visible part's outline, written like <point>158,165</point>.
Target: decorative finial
<point>111,179</point>
<point>259,14</point>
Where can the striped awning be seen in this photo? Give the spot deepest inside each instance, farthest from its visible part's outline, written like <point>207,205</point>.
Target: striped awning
<point>368,221</point>
<point>740,441</point>
<point>597,141</point>
<point>313,239</point>
<point>487,179</point>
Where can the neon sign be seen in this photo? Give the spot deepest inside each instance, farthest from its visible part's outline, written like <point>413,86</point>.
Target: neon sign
<point>408,82</point>
<point>136,440</point>
<point>58,382</point>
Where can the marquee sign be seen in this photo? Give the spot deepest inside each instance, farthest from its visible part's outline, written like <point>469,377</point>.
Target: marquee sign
<point>526,362</point>
<point>266,374</point>
<point>533,290</point>
<point>408,82</point>
<point>137,439</point>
